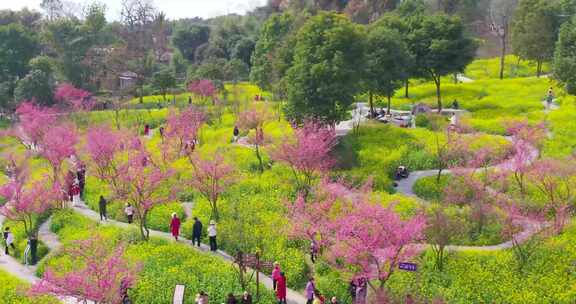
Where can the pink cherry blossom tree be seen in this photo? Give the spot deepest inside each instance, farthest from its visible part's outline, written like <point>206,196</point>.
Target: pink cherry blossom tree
<point>211,177</point>
<point>142,183</point>
<point>513,224</point>
<point>75,98</point>
<point>58,144</point>
<point>526,140</point>
<point>441,231</point>
<point>102,146</point>
<point>27,200</point>
<point>203,88</point>
<point>311,216</point>
<point>554,179</point>
<point>254,119</point>
<point>371,240</point>
<point>181,132</point>
<point>102,274</point>
<point>309,154</point>
<point>358,236</point>
<point>32,122</point>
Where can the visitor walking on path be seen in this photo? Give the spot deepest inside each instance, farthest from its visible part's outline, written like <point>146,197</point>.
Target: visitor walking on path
<point>319,298</point>
<point>196,232</point>
<point>201,298</point>
<point>313,251</point>
<point>275,274</point>
<point>102,208</point>
<point>8,240</point>
<point>352,290</point>
<point>281,289</point>
<point>549,98</point>
<point>310,288</point>
<point>334,300</point>
<point>129,211</point>
<point>175,226</point>
<point>212,236</point>
<point>231,299</point>
<point>235,134</point>
<point>361,291</point>
<point>81,175</point>
<point>75,192</point>
<point>246,298</point>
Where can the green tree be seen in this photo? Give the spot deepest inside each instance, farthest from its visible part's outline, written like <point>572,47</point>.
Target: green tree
<point>163,81</point>
<point>236,70</point>
<point>17,47</point>
<point>534,31</point>
<point>243,50</point>
<point>69,41</point>
<point>442,49</point>
<point>386,62</point>
<point>188,39</point>
<point>565,57</point>
<point>272,34</point>
<point>37,85</point>
<point>325,74</point>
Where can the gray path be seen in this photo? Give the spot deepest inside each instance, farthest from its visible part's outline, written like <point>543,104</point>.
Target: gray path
<point>293,297</point>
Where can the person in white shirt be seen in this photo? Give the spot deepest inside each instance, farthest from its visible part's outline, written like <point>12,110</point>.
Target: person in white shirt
<point>129,211</point>
<point>9,240</point>
<point>212,236</point>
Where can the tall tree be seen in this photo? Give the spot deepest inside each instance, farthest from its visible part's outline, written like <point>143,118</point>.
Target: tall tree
<point>565,57</point>
<point>17,47</point>
<point>534,32</point>
<point>37,86</point>
<point>386,61</point>
<point>188,39</point>
<point>163,81</point>
<point>443,49</point>
<point>501,12</point>
<point>325,74</point>
<point>273,32</point>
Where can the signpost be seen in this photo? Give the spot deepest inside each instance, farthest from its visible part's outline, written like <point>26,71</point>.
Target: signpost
<point>252,261</point>
<point>408,266</point>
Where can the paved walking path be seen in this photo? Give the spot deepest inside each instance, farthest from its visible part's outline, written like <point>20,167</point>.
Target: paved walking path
<point>464,79</point>
<point>293,297</point>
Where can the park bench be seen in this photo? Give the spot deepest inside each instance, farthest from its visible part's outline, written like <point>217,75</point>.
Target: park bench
<point>178,294</point>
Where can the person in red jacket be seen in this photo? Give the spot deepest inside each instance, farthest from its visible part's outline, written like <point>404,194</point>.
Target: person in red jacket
<point>281,289</point>
<point>175,226</point>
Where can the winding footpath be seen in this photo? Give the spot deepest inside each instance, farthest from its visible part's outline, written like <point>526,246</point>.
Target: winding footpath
<point>530,227</point>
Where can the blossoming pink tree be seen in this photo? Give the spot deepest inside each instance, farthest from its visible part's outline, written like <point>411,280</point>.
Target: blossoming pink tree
<point>58,144</point>
<point>75,98</point>
<point>33,122</point>
<point>311,216</point>
<point>211,177</point>
<point>142,183</point>
<point>181,132</point>
<point>555,180</point>
<point>254,119</point>
<point>27,200</point>
<point>309,155</point>
<point>203,88</point>
<point>358,236</point>
<point>522,243</point>
<point>526,140</point>
<point>102,146</point>
<point>102,275</point>
<point>372,240</point>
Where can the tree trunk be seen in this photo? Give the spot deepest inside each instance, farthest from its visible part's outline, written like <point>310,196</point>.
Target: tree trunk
<point>539,68</point>
<point>215,214</point>
<point>406,85</point>
<point>502,55</point>
<point>389,103</point>
<point>438,93</point>
<point>455,78</point>
<point>371,98</point>
<point>260,163</point>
